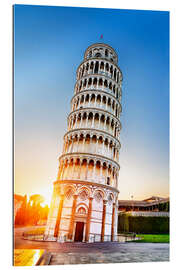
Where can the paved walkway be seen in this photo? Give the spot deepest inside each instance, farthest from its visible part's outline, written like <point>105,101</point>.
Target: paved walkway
<point>82,253</point>
<point>111,253</point>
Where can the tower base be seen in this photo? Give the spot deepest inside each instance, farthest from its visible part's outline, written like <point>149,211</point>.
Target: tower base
<point>82,213</point>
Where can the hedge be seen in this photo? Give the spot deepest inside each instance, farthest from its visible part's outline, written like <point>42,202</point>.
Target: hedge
<point>141,224</point>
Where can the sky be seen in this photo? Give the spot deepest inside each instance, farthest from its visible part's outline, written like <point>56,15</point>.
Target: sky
<point>49,45</point>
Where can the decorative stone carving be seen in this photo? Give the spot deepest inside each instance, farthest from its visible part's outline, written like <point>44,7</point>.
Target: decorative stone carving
<point>83,195</point>
<point>81,211</point>
<point>69,194</point>
<point>110,198</point>
<point>98,196</point>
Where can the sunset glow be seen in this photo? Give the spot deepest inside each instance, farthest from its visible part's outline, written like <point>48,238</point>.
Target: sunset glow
<point>46,58</point>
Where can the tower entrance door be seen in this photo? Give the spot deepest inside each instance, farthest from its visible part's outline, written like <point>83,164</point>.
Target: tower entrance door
<point>79,232</point>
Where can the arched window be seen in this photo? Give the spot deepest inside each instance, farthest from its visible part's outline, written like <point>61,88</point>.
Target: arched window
<point>96,67</point>
<point>89,82</point>
<point>100,82</point>
<point>106,52</point>
<point>115,74</point>
<point>69,193</point>
<point>111,70</point>
<point>107,67</point>
<point>98,196</point>
<point>95,82</point>
<point>118,77</point>
<point>110,86</point>
<point>102,65</point>
<point>83,195</point>
<point>98,55</point>
<point>91,65</point>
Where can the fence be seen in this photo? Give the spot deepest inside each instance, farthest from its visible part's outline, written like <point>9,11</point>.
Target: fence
<point>92,239</point>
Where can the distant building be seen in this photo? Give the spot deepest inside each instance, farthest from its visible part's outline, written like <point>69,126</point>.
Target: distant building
<point>153,206</point>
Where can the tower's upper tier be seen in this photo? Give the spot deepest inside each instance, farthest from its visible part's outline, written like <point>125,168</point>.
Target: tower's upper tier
<point>101,50</point>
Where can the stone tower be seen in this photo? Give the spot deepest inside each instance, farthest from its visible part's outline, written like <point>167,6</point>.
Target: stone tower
<point>85,196</point>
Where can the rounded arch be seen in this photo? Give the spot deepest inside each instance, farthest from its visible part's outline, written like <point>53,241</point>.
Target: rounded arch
<point>84,192</point>
<point>98,55</point>
<point>99,194</point>
<point>69,190</point>
<point>81,205</point>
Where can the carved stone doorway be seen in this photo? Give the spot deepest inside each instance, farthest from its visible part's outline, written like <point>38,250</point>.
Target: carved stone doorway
<point>79,232</point>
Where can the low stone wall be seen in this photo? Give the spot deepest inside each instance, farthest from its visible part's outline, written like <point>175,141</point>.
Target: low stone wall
<point>149,214</point>
<point>93,238</point>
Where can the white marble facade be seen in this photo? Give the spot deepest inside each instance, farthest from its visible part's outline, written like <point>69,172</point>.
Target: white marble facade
<point>85,196</point>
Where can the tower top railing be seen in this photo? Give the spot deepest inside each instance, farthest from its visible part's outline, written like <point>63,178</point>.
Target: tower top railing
<point>101,50</point>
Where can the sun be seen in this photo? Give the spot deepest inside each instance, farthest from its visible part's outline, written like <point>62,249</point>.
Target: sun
<point>46,193</point>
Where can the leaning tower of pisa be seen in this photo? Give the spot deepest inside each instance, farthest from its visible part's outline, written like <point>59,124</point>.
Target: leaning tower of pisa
<point>85,195</point>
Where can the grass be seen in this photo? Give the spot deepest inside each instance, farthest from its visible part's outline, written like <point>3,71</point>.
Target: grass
<point>153,238</point>
<point>36,231</point>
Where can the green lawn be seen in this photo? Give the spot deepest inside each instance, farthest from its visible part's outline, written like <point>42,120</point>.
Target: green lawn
<point>36,231</point>
<point>153,238</point>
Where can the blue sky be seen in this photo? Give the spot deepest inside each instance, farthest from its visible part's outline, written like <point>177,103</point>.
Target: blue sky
<point>49,44</point>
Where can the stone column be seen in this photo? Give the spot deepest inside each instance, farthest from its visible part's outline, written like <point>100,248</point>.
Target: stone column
<point>106,103</point>
<point>81,121</point>
<point>87,121</point>
<point>105,124</point>
<point>112,225</point>
<point>96,147</point>
<point>108,148</point>
<point>101,102</point>
<point>103,146</point>
<point>101,174</point>
<point>103,220</point>
<point>84,101</point>
<point>71,123</point>
<point>75,124</point>
<point>88,219</point>
<point>67,147</point>
<point>58,220</point>
<point>112,152</point>
<point>95,101</point>
<point>79,174</point>
<point>59,171</point>
<point>99,121</point>
<point>63,168</point>
<point>94,169</point>
<point>111,109</point>
<point>77,147</point>
<point>71,226</point>
<point>107,173</point>
<point>67,169</point>
<point>86,170</point>
<point>73,168</point>
<point>83,143</point>
<point>92,126</point>
<point>97,82</point>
